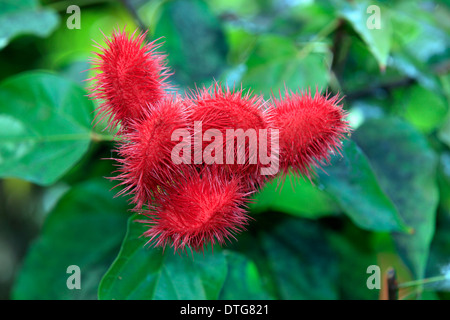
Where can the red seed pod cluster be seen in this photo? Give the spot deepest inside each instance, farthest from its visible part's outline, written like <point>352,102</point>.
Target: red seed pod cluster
<point>190,163</point>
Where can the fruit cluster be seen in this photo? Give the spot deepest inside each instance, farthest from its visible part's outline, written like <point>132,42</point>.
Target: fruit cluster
<point>196,201</point>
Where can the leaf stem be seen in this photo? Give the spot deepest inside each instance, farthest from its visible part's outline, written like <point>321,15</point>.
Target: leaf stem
<point>101,137</point>
<point>422,281</point>
<point>329,28</point>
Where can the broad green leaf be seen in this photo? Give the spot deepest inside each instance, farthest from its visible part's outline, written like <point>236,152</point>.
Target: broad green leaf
<point>418,32</point>
<point>425,109</point>
<point>293,257</point>
<point>294,196</point>
<point>410,66</point>
<point>25,17</point>
<point>243,280</point>
<point>405,166</point>
<point>140,272</point>
<point>444,180</point>
<point>360,73</point>
<point>419,44</point>
<point>239,7</point>
<point>377,39</point>
<point>240,43</point>
<point>307,21</point>
<point>438,263</point>
<point>45,126</point>
<point>67,46</point>
<point>276,63</point>
<point>444,132</point>
<point>354,250</point>
<point>84,229</point>
<point>351,182</point>
<point>194,39</point>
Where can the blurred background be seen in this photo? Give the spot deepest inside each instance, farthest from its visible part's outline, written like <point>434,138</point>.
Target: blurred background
<point>386,202</point>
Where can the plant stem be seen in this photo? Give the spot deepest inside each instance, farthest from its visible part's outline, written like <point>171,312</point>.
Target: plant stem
<point>329,28</point>
<point>101,137</point>
<point>421,282</point>
<point>386,86</point>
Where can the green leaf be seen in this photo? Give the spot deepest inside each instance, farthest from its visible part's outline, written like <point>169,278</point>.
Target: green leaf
<point>351,182</point>
<point>405,166</point>
<point>194,40</point>
<point>240,8</point>
<point>378,40</point>
<point>84,229</point>
<point>438,264</point>
<point>240,43</point>
<point>408,65</point>
<point>425,109</point>
<point>444,180</point>
<point>243,281</point>
<point>419,43</point>
<point>149,273</point>
<point>25,17</point>
<point>67,46</point>
<point>418,32</point>
<point>306,20</point>
<point>297,246</point>
<point>293,196</point>
<point>45,126</point>
<point>275,63</point>
<point>354,250</point>
<point>293,257</point>
<point>444,132</point>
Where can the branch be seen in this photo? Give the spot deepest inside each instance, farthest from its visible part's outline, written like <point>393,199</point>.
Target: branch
<point>340,49</point>
<point>370,91</point>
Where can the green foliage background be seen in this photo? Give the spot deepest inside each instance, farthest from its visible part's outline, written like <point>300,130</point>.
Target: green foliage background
<point>385,202</point>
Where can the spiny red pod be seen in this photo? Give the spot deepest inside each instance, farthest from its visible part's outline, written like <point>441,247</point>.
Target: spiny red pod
<point>131,75</point>
<point>221,109</point>
<point>310,128</point>
<point>146,150</point>
<point>193,201</point>
<point>202,208</point>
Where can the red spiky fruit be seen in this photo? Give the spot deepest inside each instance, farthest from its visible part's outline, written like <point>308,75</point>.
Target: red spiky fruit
<point>310,129</point>
<point>203,208</point>
<point>132,75</point>
<point>221,109</point>
<point>146,151</point>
